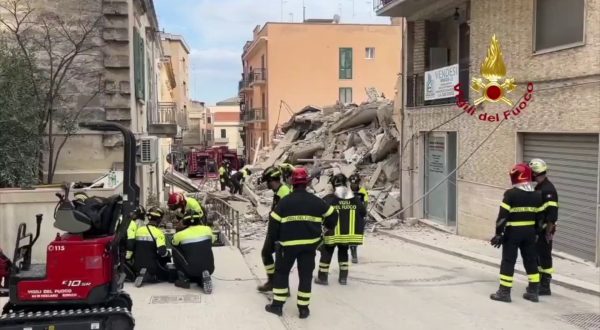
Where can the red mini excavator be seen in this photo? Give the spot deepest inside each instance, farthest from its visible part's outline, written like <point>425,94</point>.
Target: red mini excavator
<point>81,285</point>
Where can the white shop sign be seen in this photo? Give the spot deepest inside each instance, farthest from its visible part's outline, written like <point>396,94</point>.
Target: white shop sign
<point>439,83</point>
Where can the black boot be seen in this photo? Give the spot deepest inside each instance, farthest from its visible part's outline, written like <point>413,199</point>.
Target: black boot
<point>206,282</point>
<point>182,281</point>
<point>304,312</point>
<point>354,253</point>
<point>532,292</point>
<point>275,309</point>
<point>343,277</point>
<point>322,278</point>
<point>268,286</point>
<point>139,280</point>
<point>503,294</point>
<point>545,285</point>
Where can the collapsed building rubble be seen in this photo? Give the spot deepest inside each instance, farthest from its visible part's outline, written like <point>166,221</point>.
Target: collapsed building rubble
<point>348,139</point>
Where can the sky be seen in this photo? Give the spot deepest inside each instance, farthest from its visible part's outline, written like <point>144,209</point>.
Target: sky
<point>216,31</point>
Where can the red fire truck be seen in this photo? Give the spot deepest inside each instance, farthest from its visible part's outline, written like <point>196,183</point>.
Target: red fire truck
<point>204,163</point>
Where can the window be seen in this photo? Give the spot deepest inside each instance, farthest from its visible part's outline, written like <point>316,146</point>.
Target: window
<point>209,135</point>
<point>558,23</point>
<point>370,53</point>
<point>345,95</point>
<point>208,119</point>
<point>223,133</point>
<point>345,63</point>
<point>138,64</point>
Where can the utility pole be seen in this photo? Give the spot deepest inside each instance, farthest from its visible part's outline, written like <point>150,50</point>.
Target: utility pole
<point>303,12</point>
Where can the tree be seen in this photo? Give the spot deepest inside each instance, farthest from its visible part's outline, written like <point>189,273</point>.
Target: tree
<point>65,46</point>
<point>20,140</point>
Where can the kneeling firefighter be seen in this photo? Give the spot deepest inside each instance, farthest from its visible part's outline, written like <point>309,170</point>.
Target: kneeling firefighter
<point>150,254</point>
<point>520,211</point>
<point>348,231</point>
<point>192,252</point>
<point>138,219</point>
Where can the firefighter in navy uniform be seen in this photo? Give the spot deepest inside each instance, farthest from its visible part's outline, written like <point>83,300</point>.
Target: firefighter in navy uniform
<point>139,216</point>
<point>150,255</point>
<point>272,176</point>
<point>349,229</point>
<point>224,175</point>
<point>547,227</point>
<point>296,225</point>
<point>519,213</point>
<point>362,193</point>
<point>286,172</point>
<point>237,180</point>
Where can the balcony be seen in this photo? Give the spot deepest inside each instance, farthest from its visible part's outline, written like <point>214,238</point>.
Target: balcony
<point>415,9</point>
<point>254,115</point>
<point>415,90</point>
<point>163,120</point>
<point>221,141</point>
<point>257,77</point>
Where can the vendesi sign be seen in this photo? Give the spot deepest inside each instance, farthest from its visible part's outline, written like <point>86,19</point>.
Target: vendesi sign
<point>439,83</point>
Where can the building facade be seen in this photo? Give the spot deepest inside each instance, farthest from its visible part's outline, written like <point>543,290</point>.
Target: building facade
<point>227,125</point>
<point>460,154</point>
<point>319,62</point>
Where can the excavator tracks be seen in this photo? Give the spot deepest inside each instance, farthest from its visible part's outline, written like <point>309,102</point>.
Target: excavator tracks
<point>103,318</point>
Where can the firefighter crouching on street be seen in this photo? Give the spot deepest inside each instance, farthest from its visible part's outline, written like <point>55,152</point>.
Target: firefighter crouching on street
<point>150,257</point>
<point>178,202</point>
<point>363,195</point>
<point>519,213</point>
<point>296,225</point>
<point>237,180</point>
<point>138,219</point>
<point>224,175</point>
<point>349,229</point>
<point>192,252</point>
<point>547,227</point>
<point>272,176</point>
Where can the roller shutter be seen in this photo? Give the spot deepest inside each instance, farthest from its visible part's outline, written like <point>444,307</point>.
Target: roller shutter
<point>573,168</point>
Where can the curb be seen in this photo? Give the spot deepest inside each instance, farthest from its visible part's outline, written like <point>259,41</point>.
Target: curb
<point>564,282</point>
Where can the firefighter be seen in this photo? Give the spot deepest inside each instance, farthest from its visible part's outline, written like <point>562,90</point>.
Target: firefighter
<point>516,230</point>
<point>138,218</point>
<point>192,252</point>
<point>286,172</point>
<point>296,225</point>
<point>224,175</point>
<point>363,195</point>
<point>547,227</point>
<point>272,176</point>
<point>150,253</point>
<point>349,229</point>
<point>178,202</point>
<point>237,180</point>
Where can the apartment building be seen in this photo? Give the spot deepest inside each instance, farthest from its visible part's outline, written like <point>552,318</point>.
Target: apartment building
<point>319,62</point>
<point>552,113</point>
<point>227,125</point>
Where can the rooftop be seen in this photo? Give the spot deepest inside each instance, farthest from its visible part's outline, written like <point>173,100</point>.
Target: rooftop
<point>175,37</point>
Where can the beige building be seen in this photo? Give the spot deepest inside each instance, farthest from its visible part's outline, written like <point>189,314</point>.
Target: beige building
<point>199,115</point>
<point>227,125</point>
<point>290,65</point>
<point>447,42</point>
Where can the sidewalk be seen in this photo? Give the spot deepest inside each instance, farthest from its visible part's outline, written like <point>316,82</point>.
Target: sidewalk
<point>578,276</point>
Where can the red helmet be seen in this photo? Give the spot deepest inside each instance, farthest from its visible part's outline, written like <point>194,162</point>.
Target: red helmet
<point>299,176</point>
<point>520,173</point>
<point>176,200</point>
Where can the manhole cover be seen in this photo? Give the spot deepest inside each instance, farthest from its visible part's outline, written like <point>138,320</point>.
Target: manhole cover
<point>176,299</point>
<point>585,321</point>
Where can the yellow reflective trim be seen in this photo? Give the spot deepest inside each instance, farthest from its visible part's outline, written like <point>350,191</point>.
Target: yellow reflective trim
<point>534,278</point>
<point>279,298</point>
<point>309,218</point>
<point>352,221</point>
<point>301,242</point>
<point>156,214</point>
<point>303,294</point>
<point>507,284</point>
<point>275,216</point>
<point>322,264</point>
<point>280,291</point>
<point>524,209</point>
<point>520,223</point>
<point>552,203</point>
<point>271,266</point>
<point>546,271</point>
<point>329,212</point>
<point>505,206</point>
<point>303,302</point>
<point>324,270</point>
<point>506,277</point>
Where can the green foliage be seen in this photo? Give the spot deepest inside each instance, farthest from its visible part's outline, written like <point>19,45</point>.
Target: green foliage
<point>20,141</point>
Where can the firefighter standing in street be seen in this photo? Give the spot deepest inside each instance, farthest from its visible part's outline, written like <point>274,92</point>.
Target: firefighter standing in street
<point>362,193</point>
<point>150,253</point>
<point>296,225</point>
<point>237,180</point>
<point>272,176</point>
<point>349,229</point>
<point>520,211</point>
<point>547,227</point>
<point>224,175</point>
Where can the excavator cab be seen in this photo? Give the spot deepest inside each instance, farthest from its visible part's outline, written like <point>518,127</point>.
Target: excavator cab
<point>81,285</point>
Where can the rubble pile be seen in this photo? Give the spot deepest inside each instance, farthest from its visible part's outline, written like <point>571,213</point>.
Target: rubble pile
<point>349,139</point>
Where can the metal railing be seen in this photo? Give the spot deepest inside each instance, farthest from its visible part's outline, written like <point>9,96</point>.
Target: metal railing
<point>255,115</point>
<point>378,4</point>
<point>227,220</point>
<point>166,113</point>
<point>415,89</point>
<point>257,75</point>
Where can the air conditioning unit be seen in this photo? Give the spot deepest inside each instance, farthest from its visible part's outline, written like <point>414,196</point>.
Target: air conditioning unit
<point>148,150</point>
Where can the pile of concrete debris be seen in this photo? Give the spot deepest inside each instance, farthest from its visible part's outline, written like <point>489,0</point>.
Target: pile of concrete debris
<point>361,139</point>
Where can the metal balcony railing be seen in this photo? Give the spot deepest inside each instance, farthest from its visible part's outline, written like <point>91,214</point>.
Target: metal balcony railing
<point>257,75</point>
<point>415,89</point>
<point>255,115</point>
<point>166,113</point>
<point>378,4</point>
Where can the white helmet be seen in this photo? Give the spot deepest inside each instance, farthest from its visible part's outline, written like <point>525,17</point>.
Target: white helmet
<point>538,166</point>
